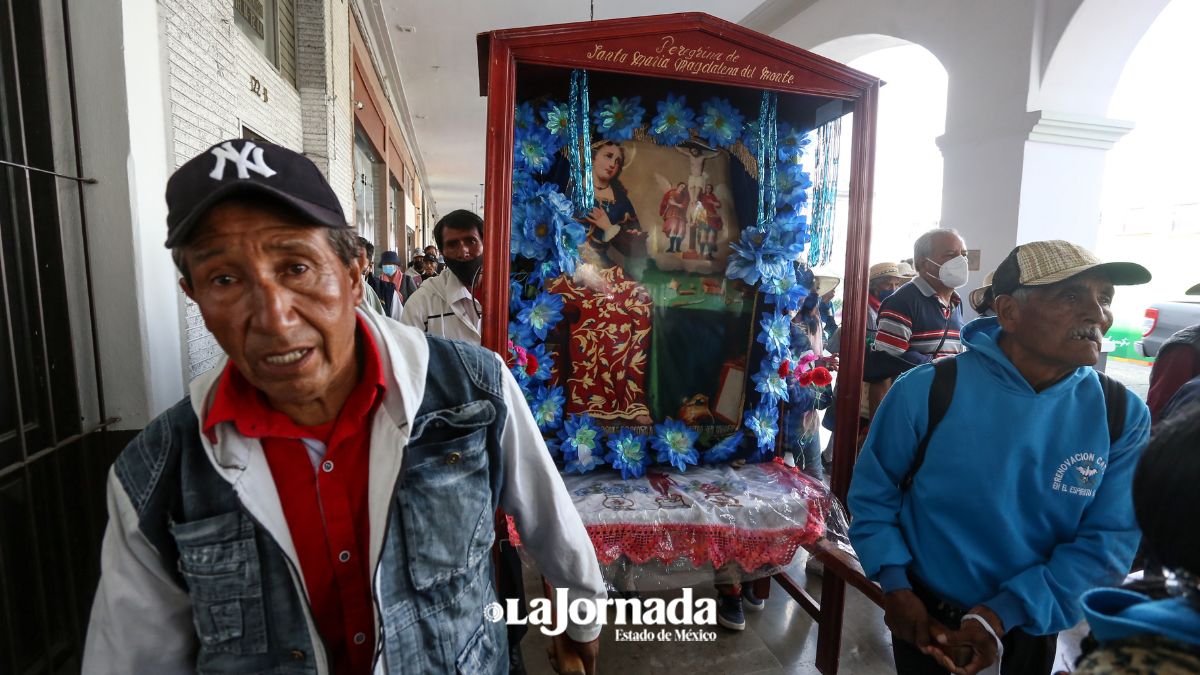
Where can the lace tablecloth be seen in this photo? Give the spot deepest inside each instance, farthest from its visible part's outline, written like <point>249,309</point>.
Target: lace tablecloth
<point>755,517</point>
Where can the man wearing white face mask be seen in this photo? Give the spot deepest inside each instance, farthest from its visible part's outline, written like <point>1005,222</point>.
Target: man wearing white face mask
<point>920,321</point>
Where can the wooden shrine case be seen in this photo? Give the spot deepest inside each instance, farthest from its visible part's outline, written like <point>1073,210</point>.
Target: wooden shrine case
<point>676,260</point>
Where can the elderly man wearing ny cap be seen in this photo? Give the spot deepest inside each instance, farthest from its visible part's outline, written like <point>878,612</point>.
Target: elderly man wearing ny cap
<point>324,500</point>
<point>993,488</point>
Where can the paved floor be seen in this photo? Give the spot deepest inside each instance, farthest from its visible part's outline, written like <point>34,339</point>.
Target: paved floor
<point>1133,374</point>
<point>780,640</point>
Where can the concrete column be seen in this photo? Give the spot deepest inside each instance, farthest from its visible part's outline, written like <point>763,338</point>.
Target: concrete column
<point>120,82</point>
<point>1063,175</point>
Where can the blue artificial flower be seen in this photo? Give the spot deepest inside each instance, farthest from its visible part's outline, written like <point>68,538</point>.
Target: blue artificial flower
<point>627,452</point>
<point>547,407</point>
<point>531,231</point>
<point>542,313</point>
<point>786,239</point>
<point>518,373</point>
<point>544,362</point>
<point>675,443</point>
<point>725,449</point>
<point>524,119</point>
<point>762,422</point>
<point>788,220</point>
<point>558,119</point>
<point>785,292</point>
<point>792,184</point>
<point>543,214</point>
<point>792,141</point>
<point>672,124</point>
<point>776,333</point>
<point>720,123</point>
<point>556,127</point>
<point>549,230</point>
<point>769,383</point>
<point>750,136</point>
<point>523,184</point>
<point>756,257</point>
<point>616,120</point>
<point>520,334</point>
<point>524,187</point>
<point>569,234</point>
<point>532,150</point>
<point>581,449</point>
<point>516,297</point>
<point>543,271</point>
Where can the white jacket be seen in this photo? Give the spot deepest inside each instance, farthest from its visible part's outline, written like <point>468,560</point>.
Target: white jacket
<point>443,306</point>
<point>141,620</point>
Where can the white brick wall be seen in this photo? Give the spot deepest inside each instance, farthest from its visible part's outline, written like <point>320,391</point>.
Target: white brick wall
<point>210,66</point>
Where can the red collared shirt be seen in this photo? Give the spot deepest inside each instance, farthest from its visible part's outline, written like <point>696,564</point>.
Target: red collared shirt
<point>321,475</point>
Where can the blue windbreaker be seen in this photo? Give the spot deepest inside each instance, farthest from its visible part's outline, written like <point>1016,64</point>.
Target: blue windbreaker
<point>1020,505</point>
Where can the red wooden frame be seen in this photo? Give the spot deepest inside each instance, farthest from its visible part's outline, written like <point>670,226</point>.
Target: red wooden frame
<point>734,56</point>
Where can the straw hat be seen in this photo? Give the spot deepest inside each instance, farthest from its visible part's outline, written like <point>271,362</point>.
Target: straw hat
<point>890,269</point>
<point>825,284</point>
<point>977,296</point>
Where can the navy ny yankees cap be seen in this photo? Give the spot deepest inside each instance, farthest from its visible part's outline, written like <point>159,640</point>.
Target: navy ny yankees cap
<point>245,167</point>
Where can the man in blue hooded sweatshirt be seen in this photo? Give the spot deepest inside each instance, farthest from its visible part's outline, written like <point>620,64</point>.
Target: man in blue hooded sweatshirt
<point>1022,500</point>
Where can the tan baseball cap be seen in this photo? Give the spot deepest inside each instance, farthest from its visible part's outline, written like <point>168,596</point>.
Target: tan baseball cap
<point>1041,263</point>
<point>890,269</point>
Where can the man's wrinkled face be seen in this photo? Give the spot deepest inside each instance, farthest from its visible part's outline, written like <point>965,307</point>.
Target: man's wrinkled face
<point>1064,323</point>
<point>461,244</point>
<point>277,298</point>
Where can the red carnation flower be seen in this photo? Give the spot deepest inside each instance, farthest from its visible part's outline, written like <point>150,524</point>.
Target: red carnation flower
<point>785,368</point>
<point>821,376</point>
<point>531,364</point>
<point>806,378</point>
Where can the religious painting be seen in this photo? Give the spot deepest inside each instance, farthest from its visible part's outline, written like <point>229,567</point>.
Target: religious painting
<point>650,320</point>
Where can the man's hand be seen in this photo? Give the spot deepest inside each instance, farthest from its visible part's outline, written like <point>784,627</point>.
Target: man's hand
<point>567,655</point>
<point>906,617</point>
<point>970,634</point>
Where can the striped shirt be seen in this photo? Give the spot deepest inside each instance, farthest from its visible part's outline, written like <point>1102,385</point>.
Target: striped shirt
<point>913,320</point>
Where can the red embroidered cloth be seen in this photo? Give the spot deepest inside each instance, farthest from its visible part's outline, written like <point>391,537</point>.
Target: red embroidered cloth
<point>608,345</point>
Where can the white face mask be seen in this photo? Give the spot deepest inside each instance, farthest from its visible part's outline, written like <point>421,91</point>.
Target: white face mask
<point>954,272</point>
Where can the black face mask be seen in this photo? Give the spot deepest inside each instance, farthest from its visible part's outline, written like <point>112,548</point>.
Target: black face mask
<point>465,270</point>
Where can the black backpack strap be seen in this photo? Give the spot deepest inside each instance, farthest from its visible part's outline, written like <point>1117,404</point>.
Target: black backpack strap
<point>1114,406</point>
<point>941,392</point>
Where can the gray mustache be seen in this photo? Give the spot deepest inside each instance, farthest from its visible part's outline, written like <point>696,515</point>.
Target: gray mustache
<point>1092,333</point>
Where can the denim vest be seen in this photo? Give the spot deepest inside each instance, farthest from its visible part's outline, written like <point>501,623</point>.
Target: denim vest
<point>435,570</point>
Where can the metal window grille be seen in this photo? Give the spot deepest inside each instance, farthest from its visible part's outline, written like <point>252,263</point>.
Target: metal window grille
<point>52,469</point>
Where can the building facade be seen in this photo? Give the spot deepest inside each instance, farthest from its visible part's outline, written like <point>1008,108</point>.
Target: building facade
<point>100,100</point>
